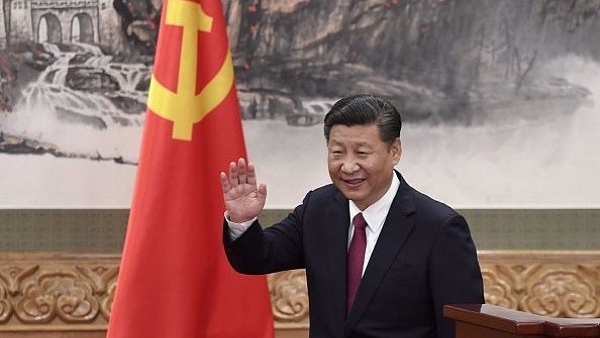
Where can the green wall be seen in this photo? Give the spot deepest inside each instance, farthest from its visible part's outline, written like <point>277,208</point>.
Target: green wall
<point>103,231</point>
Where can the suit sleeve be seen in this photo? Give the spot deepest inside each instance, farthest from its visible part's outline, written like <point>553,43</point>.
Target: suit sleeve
<point>455,273</point>
<point>275,248</point>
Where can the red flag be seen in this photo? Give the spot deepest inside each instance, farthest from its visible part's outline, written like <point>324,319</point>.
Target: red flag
<point>174,279</point>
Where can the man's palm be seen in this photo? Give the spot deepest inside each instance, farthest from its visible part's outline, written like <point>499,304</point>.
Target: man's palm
<point>244,200</point>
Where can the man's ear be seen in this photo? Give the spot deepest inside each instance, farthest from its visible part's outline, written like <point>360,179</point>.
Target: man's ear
<point>396,150</point>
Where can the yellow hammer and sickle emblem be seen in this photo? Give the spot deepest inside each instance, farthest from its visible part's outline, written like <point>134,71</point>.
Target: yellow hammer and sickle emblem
<point>185,107</point>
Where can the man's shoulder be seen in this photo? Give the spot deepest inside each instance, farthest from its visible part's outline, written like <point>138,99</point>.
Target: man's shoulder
<point>321,200</point>
<point>327,191</point>
<point>427,204</point>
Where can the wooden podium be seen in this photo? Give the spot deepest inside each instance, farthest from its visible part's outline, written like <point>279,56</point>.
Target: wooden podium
<point>489,321</point>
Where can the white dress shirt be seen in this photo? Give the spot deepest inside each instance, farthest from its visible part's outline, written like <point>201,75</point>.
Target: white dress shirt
<point>375,215</point>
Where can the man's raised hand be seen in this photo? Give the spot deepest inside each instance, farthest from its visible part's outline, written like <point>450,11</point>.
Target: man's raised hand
<point>244,199</point>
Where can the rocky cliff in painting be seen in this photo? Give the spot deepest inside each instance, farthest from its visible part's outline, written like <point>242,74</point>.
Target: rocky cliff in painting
<point>440,60</point>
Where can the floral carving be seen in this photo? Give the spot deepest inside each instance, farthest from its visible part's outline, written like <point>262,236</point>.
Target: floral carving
<point>289,296</point>
<point>99,275</point>
<point>497,290</point>
<point>14,276</point>
<point>5,306</point>
<point>56,290</point>
<point>562,294</point>
<point>59,294</point>
<point>107,303</point>
<point>518,275</point>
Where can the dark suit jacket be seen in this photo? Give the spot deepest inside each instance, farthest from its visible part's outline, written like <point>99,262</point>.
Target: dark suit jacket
<point>424,258</point>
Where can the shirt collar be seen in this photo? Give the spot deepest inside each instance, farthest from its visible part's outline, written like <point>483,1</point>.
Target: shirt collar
<point>376,213</point>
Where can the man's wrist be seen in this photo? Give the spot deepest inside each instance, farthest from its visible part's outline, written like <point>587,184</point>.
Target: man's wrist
<point>236,229</point>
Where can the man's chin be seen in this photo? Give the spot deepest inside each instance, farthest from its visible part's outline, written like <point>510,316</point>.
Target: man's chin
<point>350,194</point>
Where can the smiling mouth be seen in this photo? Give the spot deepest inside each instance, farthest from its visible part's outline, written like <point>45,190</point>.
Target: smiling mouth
<point>354,183</point>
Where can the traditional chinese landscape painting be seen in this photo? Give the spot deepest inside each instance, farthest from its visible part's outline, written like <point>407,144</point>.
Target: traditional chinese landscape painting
<point>499,98</point>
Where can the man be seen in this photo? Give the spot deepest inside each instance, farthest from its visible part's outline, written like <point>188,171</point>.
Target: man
<point>418,253</point>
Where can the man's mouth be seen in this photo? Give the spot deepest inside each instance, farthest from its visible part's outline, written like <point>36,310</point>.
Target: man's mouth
<point>353,183</point>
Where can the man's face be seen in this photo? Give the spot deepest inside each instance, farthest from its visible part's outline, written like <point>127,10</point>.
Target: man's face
<point>360,164</point>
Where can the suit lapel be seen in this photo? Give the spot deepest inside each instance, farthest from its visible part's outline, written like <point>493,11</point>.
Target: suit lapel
<point>338,221</point>
<point>396,229</point>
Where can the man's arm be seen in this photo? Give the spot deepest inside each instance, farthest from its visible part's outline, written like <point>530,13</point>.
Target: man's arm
<point>455,273</point>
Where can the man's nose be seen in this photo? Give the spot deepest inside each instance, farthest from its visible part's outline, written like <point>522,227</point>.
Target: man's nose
<point>349,165</point>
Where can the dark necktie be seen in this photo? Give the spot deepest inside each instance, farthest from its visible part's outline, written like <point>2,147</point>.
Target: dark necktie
<point>356,258</point>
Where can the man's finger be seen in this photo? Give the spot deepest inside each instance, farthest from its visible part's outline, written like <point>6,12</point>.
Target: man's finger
<point>242,175</point>
<point>225,183</point>
<point>251,177</point>
<point>262,189</point>
<point>233,174</point>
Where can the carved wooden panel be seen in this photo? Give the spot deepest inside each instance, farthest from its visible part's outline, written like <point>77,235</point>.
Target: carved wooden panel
<point>56,289</point>
<point>557,284</point>
<point>75,292</point>
<point>289,297</point>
